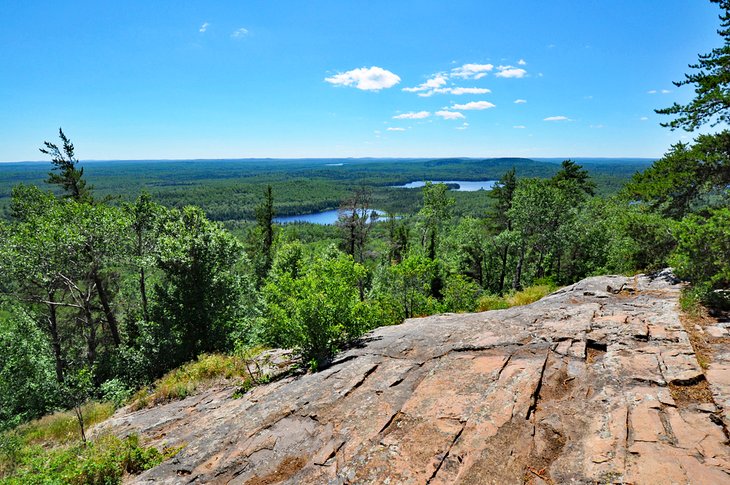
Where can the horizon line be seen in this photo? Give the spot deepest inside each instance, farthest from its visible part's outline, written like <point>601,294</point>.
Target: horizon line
<point>337,158</point>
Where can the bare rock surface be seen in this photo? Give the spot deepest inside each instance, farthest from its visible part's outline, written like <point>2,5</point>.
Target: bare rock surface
<point>596,383</point>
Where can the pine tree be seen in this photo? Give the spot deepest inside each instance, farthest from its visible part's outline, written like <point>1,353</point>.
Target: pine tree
<point>70,178</point>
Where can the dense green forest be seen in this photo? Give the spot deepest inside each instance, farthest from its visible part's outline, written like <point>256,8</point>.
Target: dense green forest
<point>228,190</point>
<point>113,274</point>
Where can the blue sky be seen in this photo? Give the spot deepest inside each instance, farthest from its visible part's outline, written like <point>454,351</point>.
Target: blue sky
<point>148,80</point>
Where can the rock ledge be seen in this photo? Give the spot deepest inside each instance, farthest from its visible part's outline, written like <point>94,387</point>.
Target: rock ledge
<point>596,383</point>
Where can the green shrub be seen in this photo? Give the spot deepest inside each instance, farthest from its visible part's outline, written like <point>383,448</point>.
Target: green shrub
<point>529,295</point>
<point>103,461</point>
<point>491,302</point>
<point>63,427</point>
<point>460,294</point>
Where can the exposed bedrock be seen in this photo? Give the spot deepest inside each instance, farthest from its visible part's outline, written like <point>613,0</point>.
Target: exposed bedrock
<point>596,383</point>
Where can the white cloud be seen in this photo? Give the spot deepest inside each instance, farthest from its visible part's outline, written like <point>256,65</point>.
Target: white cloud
<point>412,116</point>
<point>519,127</point>
<point>365,78</point>
<point>644,118</point>
<point>240,33</point>
<point>597,126</point>
<point>665,91</point>
<point>463,126</point>
<point>204,27</point>
<point>653,91</point>
<point>460,91</point>
<point>436,81</point>
<point>474,105</point>
<point>396,129</point>
<point>450,115</point>
<point>521,62</point>
<point>471,71</point>
<point>557,118</point>
<point>456,91</point>
<point>510,72</point>
<point>520,101</point>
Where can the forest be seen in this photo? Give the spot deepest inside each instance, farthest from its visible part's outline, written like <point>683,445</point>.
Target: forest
<point>228,190</point>
<point>106,289</point>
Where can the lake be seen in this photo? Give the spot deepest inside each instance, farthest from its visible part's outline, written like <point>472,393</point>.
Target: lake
<point>464,185</point>
<point>323,218</point>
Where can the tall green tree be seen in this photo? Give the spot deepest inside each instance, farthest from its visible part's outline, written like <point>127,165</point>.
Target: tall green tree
<point>65,172</point>
<point>265,223</point>
<point>436,211</point>
<point>502,194</point>
<point>573,177</point>
<point>685,175</point>
<point>206,292</point>
<point>145,217</point>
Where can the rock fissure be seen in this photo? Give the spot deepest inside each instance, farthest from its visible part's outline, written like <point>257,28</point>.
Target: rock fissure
<point>446,454</point>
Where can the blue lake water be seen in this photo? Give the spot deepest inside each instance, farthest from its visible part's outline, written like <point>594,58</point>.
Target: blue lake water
<point>464,185</point>
<point>322,218</point>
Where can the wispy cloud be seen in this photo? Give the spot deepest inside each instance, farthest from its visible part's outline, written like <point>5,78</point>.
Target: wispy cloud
<point>519,127</point>
<point>520,101</point>
<point>474,105</point>
<point>435,82</point>
<point>666,91</point>
<point>557,118</point>
<point>365,78</point>
<point>597,126</point>
<point>204,27</point>
<point>460,91</point>
<point>464,126</point>
<point>450,115</point>
<point>521,62</point>
<point>412,115</point>
<point>471,71</point>
<point>510,72</point>
<point>653,91</point>
<point>396,129</point>
<point>644,118</point>
<point>239,33</point>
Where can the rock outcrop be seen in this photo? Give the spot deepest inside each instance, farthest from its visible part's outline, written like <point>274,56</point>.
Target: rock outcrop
<point>596,383</point>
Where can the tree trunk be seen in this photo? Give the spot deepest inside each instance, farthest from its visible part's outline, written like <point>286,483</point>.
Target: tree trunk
<point>516,285</point>
<point>90,335</point>
<point>503,271</point>
<point>80,418</point>
<point>108,312</point>
<point>55,339</point>
<point>143,292</point>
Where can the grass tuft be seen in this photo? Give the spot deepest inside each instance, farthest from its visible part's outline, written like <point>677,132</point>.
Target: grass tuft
<point>205,372</point>
<point>529,295</point>
<point>63,427</point>
<point>103,461</point>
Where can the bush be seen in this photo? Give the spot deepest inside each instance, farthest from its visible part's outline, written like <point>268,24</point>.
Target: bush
<point>315,305</point>
<point>529,295</point>
<point>104,461</point>
<point>115,392</point>
<point>703,249</point>
<point>460,294</point>
<point>491,302</point>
